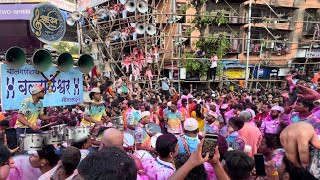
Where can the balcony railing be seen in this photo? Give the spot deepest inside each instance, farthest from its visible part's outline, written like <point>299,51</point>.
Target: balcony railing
<point>235,46</point>
<point>274,48</point>
<point>281,23</point>
<point>309,28</point>
<point>277,3</point>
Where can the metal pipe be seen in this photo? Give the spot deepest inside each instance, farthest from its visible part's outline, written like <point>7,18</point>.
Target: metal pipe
<point>179,56</point>
<point>248,44</point>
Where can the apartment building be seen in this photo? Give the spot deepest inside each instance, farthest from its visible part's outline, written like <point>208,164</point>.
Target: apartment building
<point>284,33</point>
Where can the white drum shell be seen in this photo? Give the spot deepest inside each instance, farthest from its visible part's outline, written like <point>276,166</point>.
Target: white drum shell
<point>31,142</point>
<point>77,134</point>
<point>49,139</point>
<point>128,139</point>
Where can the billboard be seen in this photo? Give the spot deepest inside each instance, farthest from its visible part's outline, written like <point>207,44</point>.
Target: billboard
<point>65,89</point>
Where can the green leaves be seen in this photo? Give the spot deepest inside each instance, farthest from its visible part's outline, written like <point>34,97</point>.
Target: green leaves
<point>185,7</point>
<point>218,44</point>
<point>210,18</point>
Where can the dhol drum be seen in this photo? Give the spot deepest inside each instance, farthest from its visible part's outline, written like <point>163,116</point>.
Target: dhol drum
<point>153,128</point>
<point>154,139</point>
<point>128,139</point>
<point>49,139</point>
<point>31,142</point>
<point>142,154</point>
<point>58,129</point>
<point>118,122</point>
<point>77,134</point>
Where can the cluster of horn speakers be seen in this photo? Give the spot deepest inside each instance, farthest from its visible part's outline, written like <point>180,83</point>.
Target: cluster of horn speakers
<point>42,60</point>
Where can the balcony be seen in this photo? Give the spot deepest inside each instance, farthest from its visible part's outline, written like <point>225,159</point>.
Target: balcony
<point>274,48</point>
<point>308,29</point>
<point>233,20</point>
<point>235,46</point>
<point>310,17</point>
<point>276,3</point>
<point>272,25</point>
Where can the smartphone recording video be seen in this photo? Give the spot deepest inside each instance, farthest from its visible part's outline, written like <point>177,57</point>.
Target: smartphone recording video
<point>259,165</point>
<point>209,144</point>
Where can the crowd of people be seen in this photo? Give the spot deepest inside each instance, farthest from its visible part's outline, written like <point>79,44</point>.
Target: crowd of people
<point>281,124</point>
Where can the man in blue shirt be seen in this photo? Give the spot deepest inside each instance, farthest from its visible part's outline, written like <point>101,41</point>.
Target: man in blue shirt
<point>189,141</point>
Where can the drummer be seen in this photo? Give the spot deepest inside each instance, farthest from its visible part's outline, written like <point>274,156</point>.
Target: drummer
<point>96,111</point>
<point>141,136</point>
<point>31,109</point>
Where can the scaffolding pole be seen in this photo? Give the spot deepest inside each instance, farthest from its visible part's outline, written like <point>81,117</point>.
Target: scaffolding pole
<point>248,44</point>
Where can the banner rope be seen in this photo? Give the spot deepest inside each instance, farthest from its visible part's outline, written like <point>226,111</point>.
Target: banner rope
<point>50,80</point>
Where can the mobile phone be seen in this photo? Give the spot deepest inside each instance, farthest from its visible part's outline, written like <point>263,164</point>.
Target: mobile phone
<point>11,138</point>
<point>314,161</point>
<point>209,144</point>
<point>259,165</point>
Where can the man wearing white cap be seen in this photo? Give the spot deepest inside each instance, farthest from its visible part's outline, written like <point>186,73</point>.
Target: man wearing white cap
<point>31,109</point>
<point>270,124</point>
<point>189,141</point>
<point>141,136</point>
<point>96,111</point>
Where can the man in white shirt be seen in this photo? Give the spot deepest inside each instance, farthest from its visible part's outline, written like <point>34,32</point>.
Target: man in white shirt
<point>213,67</point>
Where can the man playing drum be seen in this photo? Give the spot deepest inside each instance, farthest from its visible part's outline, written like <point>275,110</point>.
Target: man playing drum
<point>31,109</point>
<point>96,111</point>
<point>141,136</point>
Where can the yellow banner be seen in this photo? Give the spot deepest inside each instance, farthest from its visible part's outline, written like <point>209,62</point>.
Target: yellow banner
<point>235,73</point>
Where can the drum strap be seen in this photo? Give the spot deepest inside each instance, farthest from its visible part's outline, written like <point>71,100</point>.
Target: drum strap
<point>185,145</point>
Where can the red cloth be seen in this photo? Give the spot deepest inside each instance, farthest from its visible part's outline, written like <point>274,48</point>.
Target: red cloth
<point>94,71</point>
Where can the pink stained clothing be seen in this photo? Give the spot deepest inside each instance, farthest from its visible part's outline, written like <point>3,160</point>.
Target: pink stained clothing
<point>252,136</point>
<point>228,115</point>
<point>157,169</point>
<point>211,175</point>
<point>23,169</point>
<point>149,75</point>
<point>149,59</point>
<point>270,126</point>
<point>182,97</point>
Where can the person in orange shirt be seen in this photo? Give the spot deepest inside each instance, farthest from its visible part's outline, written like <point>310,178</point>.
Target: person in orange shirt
<point>183,109</point>
<point>125,108</point>
<point>2,117</point>
<point>191,104</point>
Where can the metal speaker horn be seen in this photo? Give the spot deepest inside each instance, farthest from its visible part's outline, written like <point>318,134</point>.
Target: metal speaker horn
<point>140,28</point>
<point>15,57</point>
<point>142,6</point>
<point>65,62</point>
<point>70,21</point>
<point>151,29</point>
<point>42,60</point>
<point>76,15</point>
<point>85,63</point>
<point>123,1</point>
<point>131,6</point>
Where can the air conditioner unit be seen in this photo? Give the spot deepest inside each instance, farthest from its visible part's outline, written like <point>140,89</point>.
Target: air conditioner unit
<point>270,45</point>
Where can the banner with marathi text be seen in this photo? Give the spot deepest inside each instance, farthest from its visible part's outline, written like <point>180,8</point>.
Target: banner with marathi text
<point>66,88</point>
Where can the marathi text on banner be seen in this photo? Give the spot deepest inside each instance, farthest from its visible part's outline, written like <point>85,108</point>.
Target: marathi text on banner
<point>66,88</point>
